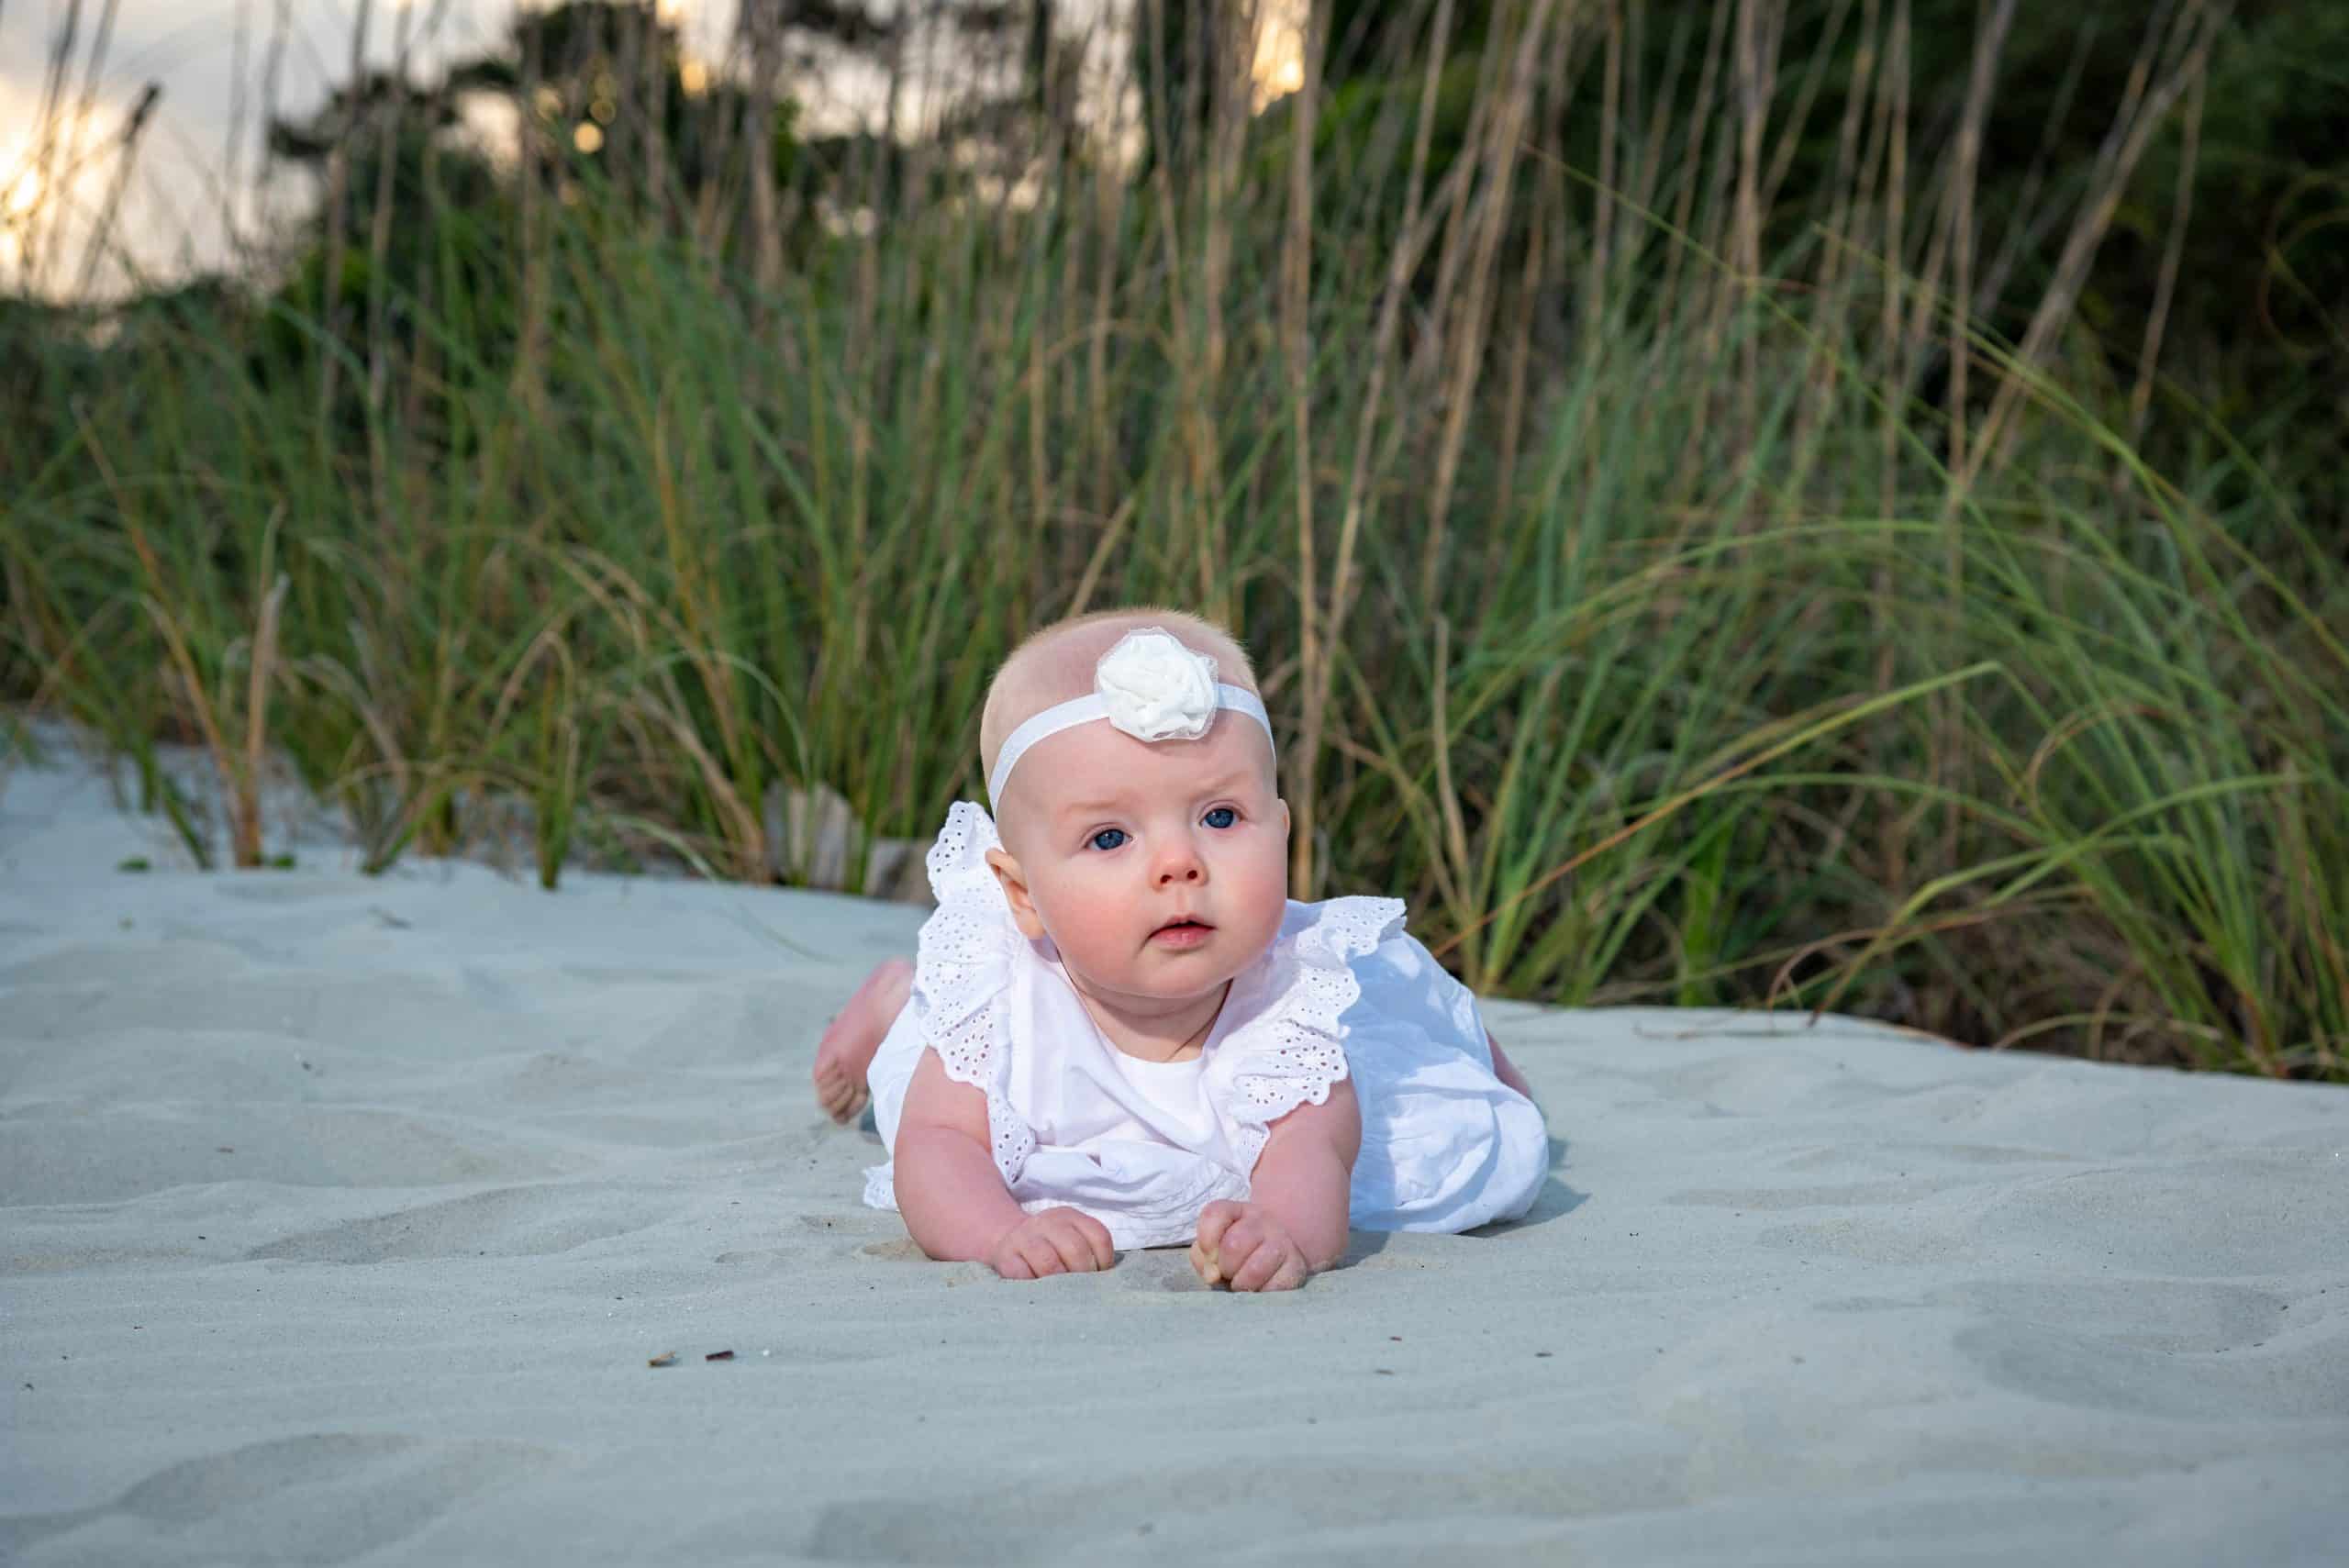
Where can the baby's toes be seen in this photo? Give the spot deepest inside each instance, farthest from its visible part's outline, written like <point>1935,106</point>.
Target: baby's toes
<point>843,1104</point>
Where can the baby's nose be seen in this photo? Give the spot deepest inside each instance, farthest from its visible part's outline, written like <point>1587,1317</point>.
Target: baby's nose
<point>1180,863</point>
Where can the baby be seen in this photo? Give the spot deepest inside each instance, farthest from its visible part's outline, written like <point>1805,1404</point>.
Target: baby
<point>1121,1032</point>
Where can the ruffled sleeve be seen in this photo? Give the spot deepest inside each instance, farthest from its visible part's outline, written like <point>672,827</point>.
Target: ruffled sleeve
<point>1291,1051</point>
<point>963,977</point>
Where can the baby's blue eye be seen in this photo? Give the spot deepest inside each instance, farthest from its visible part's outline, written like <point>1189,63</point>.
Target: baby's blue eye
<point>1229,816</point>
<point>1117,833</point>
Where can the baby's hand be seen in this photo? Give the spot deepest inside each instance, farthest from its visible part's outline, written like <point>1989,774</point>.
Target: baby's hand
<point>1241,1245</point>
<point>1057,1241</point>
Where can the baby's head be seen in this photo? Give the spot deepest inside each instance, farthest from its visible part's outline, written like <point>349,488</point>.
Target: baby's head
<point>1108,837</point>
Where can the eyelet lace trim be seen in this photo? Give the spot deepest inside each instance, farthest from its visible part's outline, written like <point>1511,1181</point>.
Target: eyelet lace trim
<point>1296,1050</point>
<point>962,974</point>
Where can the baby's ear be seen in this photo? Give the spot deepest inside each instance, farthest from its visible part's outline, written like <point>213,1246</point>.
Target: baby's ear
<point>1015,892</point>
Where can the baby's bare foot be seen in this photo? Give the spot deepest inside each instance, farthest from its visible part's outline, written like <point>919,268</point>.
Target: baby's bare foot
<point>1505,1070</point>
<point>852,1037</point>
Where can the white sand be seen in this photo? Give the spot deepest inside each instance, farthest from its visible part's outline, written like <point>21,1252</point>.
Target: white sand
<point>341,1215</point>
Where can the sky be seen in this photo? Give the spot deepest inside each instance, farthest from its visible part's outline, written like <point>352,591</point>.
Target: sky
<point>188,195</point>
<point>188,202</point>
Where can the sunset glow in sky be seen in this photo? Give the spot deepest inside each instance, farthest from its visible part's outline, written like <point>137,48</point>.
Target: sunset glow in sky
<point>192,201</point>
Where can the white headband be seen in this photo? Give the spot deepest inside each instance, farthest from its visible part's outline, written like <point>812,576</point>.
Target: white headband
<point>1151,687</point>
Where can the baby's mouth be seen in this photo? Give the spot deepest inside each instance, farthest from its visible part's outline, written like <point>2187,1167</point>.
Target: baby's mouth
<point>1186,930</point>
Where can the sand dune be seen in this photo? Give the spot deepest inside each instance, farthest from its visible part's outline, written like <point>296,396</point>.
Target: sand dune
<point>340,1216</point>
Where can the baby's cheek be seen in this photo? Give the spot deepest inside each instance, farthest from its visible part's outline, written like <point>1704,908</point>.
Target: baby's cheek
<point>1267,900</point>
<point>1273,874</point>
<point>1076,898</point>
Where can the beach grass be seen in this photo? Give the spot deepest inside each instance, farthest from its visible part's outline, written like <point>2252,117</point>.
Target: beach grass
<point>1675,598</point>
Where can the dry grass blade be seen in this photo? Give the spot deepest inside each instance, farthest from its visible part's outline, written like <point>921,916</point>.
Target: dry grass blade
<point>2196,31</point>
<point>1502,149</point>
<point>1297,293</point>
<point>259,680</point>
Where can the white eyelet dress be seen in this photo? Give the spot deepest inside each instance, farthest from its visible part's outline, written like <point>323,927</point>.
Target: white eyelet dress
<point>1342,992</point>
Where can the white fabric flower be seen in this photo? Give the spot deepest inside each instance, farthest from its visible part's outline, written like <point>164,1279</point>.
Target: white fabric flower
<point>1156,688</point>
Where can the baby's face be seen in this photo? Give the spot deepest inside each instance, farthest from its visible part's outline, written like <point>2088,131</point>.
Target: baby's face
<point>1118,837</point>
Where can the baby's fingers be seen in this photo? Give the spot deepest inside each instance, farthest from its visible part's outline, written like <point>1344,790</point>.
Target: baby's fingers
<point>1248,1259</point>
<point>1096,1237</point>
<point>1073,1249</point>
<point>1271,1267</point>
<point>1042,1257</point>
<point>1214,1220</point>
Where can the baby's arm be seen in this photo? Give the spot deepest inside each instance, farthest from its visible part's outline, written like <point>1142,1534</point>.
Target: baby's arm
<point>1294,1220</point>
<point>953,1199</point>
<point>1304,1172</point>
